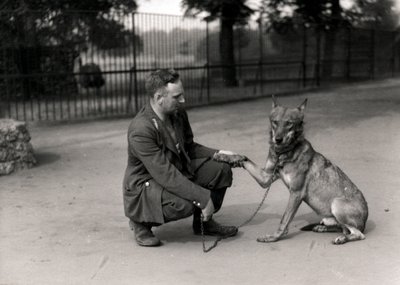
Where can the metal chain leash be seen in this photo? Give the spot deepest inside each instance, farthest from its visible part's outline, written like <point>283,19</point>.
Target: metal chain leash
<point>215,243</point>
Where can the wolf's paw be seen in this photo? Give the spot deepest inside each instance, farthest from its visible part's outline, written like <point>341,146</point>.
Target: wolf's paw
<point>340,240</point>
<point>234,160</point>
<point>268,238</point>
<point>320,229</point>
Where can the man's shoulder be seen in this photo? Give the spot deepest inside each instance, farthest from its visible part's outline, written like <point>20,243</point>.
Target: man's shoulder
<point>141,123</point>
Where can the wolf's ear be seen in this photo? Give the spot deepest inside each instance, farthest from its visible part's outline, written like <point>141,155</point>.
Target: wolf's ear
<point>302,106</point>
<point>274,102</point>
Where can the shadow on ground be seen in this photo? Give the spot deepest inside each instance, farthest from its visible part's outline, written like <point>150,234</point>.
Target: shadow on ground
<point>44,158</point>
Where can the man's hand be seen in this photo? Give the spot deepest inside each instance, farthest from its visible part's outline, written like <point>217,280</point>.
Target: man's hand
<point>233,159</point>
<point>208,211</point>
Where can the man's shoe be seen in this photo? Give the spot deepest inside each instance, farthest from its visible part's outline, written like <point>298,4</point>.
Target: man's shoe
<point>143,234</point>
<point>212,228</point>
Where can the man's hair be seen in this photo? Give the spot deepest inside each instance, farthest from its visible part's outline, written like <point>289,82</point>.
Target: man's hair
<point>159,79</point>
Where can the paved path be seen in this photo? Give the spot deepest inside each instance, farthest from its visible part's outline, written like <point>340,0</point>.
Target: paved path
<point>62,222</point>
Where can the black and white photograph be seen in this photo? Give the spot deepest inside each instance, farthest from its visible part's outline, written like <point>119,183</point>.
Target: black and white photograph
<point>199,142</point>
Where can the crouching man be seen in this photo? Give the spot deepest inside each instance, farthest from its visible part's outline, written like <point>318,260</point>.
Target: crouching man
<point>169,176</point>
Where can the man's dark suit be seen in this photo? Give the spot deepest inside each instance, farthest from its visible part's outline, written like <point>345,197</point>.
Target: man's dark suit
<point>156,163</point>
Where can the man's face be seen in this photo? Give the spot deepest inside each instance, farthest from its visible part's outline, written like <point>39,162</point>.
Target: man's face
<point>173,97</point>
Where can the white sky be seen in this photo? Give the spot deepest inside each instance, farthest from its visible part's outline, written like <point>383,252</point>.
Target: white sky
<point>160,6</point>
<point>173,7</point>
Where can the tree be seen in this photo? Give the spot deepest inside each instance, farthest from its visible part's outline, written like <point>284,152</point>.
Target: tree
<point>229,13</point>
<point>374,14</point>
<point>36,32</point>
<point>328,16</point>
<point>325,15</point>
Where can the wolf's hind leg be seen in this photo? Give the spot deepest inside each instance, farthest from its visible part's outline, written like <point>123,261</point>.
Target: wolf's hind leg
<point>329,224</point>
<point>354,235</point>
<point>350,218</point>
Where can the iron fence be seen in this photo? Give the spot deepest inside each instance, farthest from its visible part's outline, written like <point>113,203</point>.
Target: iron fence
<point>87,71</point>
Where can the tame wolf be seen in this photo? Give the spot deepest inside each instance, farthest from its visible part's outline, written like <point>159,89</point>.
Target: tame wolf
<point>310,177</point>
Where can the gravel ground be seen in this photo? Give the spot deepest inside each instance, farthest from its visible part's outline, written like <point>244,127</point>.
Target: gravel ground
<point>62,222</point>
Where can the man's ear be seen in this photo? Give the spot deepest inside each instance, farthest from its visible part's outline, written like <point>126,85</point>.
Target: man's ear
<point>274,102</point>
<point>302,106</point>
<point>158,97</point>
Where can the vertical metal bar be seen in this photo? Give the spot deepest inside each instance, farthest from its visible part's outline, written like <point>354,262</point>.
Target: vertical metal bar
<point>130,74</point>
<point>125,74</point>
<point>134,64</point>
<point>372,54</point>
<point>348,57</point>
<point>36,94</point>
<point>53,101</point>
<point>239,48</point>
<point>261,61</point>
<point>122,78</point>
<point>318,63</point>
<point>88,101</point>
<point>98,92</point>
<point>116,71</point>
<point>7,83</point>
<point>46,106</point>
<point>304,63</point>
<point>393,62</point>
<point>26,97</point>
<point>75,98</point>
<point>109,86</point>
<point>60,100</point>
<point>16,98</point>
<point>39,107</point>
<point>80,88</point>
<point>208,60</point>
<point>96,99</point>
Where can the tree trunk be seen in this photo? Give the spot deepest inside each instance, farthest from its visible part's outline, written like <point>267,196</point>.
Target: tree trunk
<point>226,49</point>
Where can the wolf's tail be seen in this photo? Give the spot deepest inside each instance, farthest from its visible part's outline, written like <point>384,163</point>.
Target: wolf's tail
<point>309,227</point>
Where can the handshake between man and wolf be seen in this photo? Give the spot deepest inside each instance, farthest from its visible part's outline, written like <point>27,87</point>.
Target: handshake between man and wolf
<point>309,176</point>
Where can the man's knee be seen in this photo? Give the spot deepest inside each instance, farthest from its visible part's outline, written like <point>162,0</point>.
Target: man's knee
<point>227,171</point>
<point>223,176</point>
<point>175,208</point>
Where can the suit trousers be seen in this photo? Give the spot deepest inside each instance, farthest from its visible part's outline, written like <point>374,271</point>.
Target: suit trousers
<point>212,175</point>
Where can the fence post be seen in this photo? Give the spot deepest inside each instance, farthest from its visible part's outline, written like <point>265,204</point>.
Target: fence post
<point>304,56</point>
<point>393,62</point>
<point>372,56</point>
<point>208,60</point>
<point>260,62</point>
<point>239,48</point>
<point>348,56</point>
<point>318,62</point>
<point>134,69</point>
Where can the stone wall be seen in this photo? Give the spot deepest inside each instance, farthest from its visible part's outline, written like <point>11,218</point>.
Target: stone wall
<point>16,151</point>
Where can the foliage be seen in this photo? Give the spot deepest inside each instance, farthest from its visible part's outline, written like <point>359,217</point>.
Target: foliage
<point>42,36</point>
<point>236,10</point>
<point>229,12</point>
<point>283,15</point>
<point>378,14</point>
<point>63,22</point>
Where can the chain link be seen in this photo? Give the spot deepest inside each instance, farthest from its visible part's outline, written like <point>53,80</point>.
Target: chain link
<point>215,243</point>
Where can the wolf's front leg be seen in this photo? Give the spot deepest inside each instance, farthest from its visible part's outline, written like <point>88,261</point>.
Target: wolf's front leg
<point>264,176</point>
<point>291,209</point>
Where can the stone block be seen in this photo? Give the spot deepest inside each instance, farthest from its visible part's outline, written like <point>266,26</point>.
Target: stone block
<point>16,151</point>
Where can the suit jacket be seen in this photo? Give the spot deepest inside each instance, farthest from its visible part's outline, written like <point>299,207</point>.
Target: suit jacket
<point>155,163</point>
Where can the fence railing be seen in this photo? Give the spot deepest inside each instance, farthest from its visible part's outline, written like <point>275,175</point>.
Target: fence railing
<point>88,71</point>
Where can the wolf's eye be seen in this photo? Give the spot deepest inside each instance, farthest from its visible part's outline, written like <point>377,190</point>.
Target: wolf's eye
<point>274,123</point>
